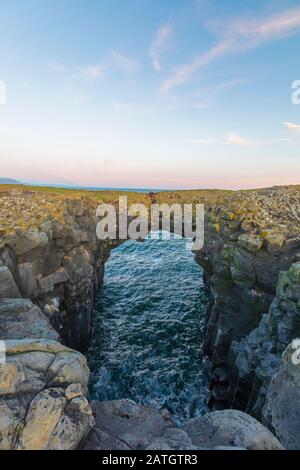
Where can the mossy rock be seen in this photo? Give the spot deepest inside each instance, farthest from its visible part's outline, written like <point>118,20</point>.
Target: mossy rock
<point>283,282</point>
<point>230,216</point>
<point>294,273</point>
<point>242,270</point>
<point>215,227</point>
<point>251,243</point>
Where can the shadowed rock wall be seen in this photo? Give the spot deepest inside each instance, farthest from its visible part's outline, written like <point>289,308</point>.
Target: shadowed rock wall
<point>251,263</point>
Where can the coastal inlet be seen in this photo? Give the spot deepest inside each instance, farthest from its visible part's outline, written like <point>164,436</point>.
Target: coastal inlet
<point>148,328</point>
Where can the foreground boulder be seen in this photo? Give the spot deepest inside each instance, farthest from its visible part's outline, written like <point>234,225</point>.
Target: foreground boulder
<point>231,428</point>
<point>21,319</point>
<point>124,425</point>
<point>281,412</point>
<point>43,403</point>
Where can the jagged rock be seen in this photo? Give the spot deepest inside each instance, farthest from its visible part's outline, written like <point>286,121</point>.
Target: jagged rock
<point>68,367</point>
<point>229,216</point>
<point>22,243</point>
<point>258,357</point>
<point>10,377</point>
<point>20,318</point>
<point>268,216</point>
<point>274,242</point>
<point>8,259</point>
<point>9,422</point>
<point>28,283</point>
<point>251,243</point>
<point>266,268</point>
<point>294,273</point>
<point>243,284</point>
<point>281,412</point>
<point>230,428</point>
<point>78,264</point>
<point>14,306</point>
<point>41,419</point>
<point>73,391</point>
<point>57,231</point>
<point>48,283</point>
<point>42,396</point>
<point>124,425</point>
<point>242,270</point>
<point>8,287</point>
<point>73,425</point>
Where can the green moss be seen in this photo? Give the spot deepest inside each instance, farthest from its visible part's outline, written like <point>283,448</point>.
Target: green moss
<point>294,272</point>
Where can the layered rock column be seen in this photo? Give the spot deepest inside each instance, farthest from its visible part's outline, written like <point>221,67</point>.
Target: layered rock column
<point>250,240</point>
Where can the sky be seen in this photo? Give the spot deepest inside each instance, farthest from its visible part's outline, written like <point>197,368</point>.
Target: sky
<point>150,93</point>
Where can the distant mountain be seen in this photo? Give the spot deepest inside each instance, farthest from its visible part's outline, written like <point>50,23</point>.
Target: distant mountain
<point>8,181</point>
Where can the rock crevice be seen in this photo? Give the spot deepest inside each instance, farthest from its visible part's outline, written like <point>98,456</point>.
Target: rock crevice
<point>49,276</point>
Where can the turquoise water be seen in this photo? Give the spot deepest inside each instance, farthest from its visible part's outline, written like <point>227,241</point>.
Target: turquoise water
<point>148,329</point>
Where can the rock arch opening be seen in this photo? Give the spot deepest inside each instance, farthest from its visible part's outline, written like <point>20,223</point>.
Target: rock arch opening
<point>147,335</point>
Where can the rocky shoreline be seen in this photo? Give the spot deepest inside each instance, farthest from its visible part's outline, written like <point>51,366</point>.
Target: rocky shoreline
<point>52,265</point>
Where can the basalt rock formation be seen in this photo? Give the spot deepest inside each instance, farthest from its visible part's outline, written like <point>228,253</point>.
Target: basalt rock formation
<point>51,266</point>
<point>251,261</point>
<point>49,274</point>
<point>58,264</point>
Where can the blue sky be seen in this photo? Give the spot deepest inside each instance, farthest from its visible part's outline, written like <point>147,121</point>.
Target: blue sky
<point>149,93</point>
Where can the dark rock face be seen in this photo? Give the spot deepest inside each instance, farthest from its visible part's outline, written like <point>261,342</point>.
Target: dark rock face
<point>21,319</point>
<point>43,384</point>
<point>281,412</point>
<point>8,286</point>
<point>258,356</point>
<point>251,252</point>
<point>60,268</point>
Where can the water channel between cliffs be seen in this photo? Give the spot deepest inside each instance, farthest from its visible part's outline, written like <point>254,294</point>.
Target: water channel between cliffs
<point>148,328</point>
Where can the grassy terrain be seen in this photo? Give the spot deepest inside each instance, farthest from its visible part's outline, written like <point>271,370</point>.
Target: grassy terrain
<point>23,207</point>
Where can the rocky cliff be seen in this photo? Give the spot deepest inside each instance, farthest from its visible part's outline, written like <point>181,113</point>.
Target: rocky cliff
<point>251,260</point>
<point>51,266</point>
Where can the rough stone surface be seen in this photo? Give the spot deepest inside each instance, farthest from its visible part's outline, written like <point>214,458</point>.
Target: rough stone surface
<point>49,252</point>
<point>8,287</point>
<point>22,243</point>
<point>231,428</point>
<point>250,261</point>
<point>48,283</point>
<point>252,243</point>
<point>124,425</point>
<point>42,396</point>
<point>28,282</point>
<point>20,318</point>
<point>281,412</point>
<point>260,353</point>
